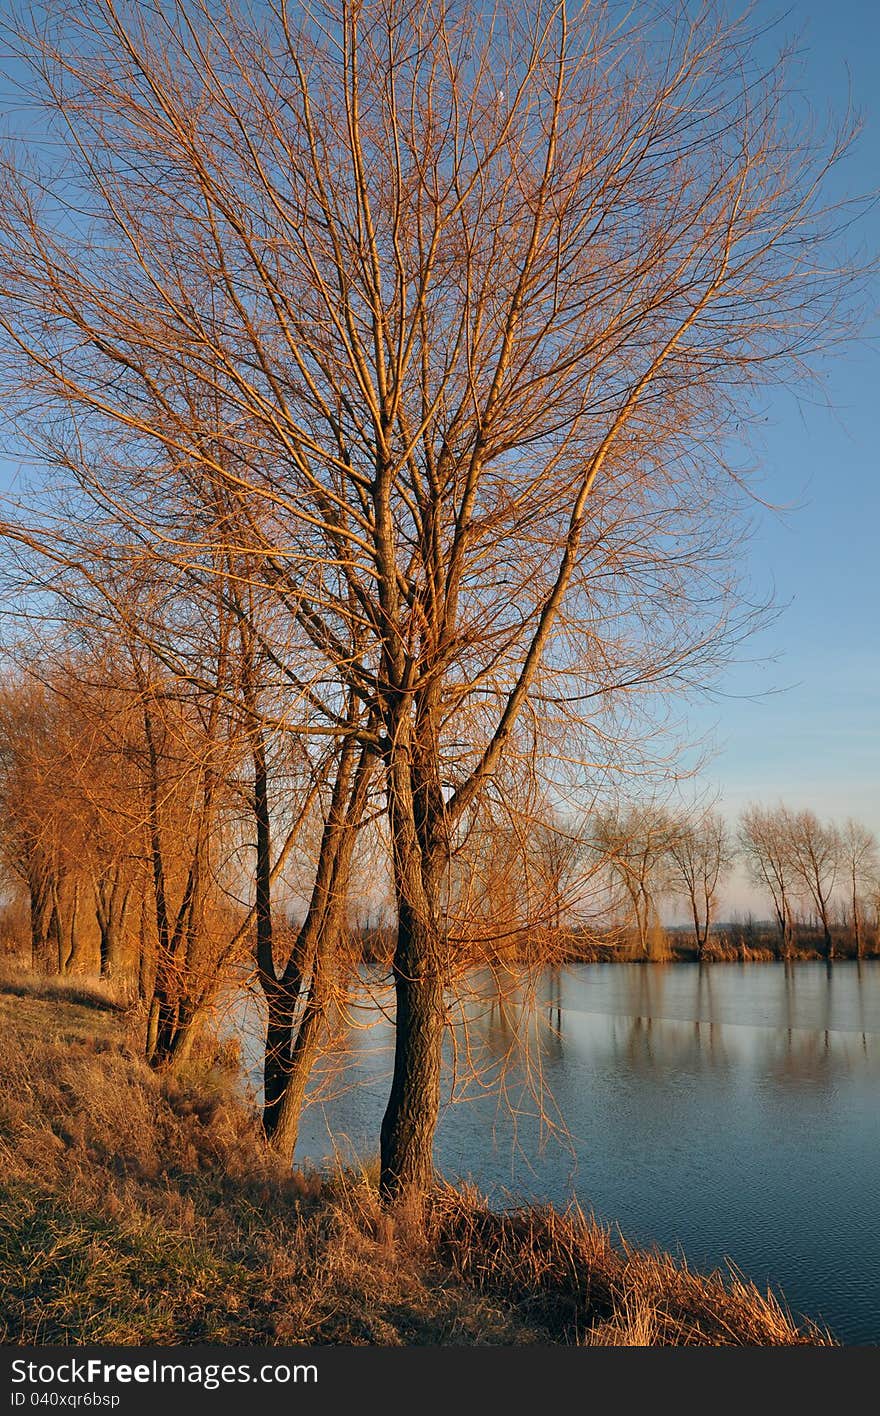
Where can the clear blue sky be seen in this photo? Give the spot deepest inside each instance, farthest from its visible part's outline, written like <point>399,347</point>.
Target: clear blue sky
<point>816,741</point>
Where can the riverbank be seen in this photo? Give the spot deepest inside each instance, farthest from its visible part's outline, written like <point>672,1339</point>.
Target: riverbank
<point>143,1209</point>
<point>727,944</point>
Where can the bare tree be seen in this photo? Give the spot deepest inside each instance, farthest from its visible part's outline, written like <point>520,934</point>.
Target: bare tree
<point>561,865</point>
<point>298,969</point>
<point>299,991</point>
<point>765,841</point>
<point>701,853</point>
<point>33,753</point>
<point>67,807</point>
<point>859,859</point>
<point>518,873</point>
<point>636,841</point>
<point>459,304</point>
<point>198,685</point>
<point>815,854</point>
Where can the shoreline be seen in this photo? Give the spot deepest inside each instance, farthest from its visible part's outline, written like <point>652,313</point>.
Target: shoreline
<point>143,1209</point>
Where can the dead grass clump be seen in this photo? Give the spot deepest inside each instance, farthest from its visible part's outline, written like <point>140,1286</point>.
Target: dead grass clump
<point>555,1266</point>
<point>725,949</point>
<point>563,1269</point>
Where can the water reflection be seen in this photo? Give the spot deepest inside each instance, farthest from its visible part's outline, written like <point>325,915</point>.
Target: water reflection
<point>730,1110</point>
<point>758,1018</point>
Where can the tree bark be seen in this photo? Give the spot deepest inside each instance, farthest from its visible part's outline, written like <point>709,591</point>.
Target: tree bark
<point>110,946</point>
<point>827,939</point>
<point>280,1001</point>
<point>110,914</point>
<point>74,946</point>
<point>277,1057</point>
<point>411,1115</point>
<point>146,955</point>
<point>410,1120</point>
<point>45,924</point>
<point>857,914</point>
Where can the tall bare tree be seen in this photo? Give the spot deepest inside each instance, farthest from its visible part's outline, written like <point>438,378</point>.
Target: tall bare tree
<point>465,300</point>
<point>815,855</point>
<point>860,860</point>
<point>701,853</point>
<point>39,835</point>
<point>635,841</point>
<point>765,841</point>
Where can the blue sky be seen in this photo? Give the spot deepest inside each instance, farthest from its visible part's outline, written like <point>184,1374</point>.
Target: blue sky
<point>816,741</point>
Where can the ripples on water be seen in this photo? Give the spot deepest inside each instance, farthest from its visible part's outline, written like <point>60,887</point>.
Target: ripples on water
<point>726,1111</point>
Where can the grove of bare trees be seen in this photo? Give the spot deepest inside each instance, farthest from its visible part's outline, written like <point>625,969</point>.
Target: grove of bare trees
<point>813,869</point>
<point>373,367</point>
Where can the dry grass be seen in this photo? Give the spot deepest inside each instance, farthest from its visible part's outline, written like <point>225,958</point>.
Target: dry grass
<point>566,1273</point>
<point>142,1209</point>
<point>86,992</point>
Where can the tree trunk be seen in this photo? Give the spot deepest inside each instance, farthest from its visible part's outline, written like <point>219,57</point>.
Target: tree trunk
<point>827,939</point>
<point>410,1120</point>
<point>106,945</point>
<point>146,955</point>
<point>108,925</point>
<point>277,1057</point>
<point>281,1001</point>
<point>699,936</point>
<point>306,1047</point>
<point>45,925</point>
<point>152,1029</point>
<point>289,1058</point>
<point>186,1029</point>
<point>857,917</point>
<point>112,954</point>
<point>166,1025</point>
<point>787,933</point>
<point>643,924</point>
<point>163,1007</point>
<point>74,945</point>
<point>55,930</point>
<point>782,950</point>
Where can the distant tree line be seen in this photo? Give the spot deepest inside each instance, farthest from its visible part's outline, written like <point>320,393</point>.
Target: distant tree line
<point>371,369</point>
<point>821,880</point>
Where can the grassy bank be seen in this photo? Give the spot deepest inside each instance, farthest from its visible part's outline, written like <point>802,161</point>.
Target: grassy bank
<point>144,1209</point>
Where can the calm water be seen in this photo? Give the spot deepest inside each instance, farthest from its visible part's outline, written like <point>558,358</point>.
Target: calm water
<point>727,1112</point>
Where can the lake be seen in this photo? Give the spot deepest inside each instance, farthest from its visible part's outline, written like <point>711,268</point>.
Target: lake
<point>725,1111</point>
